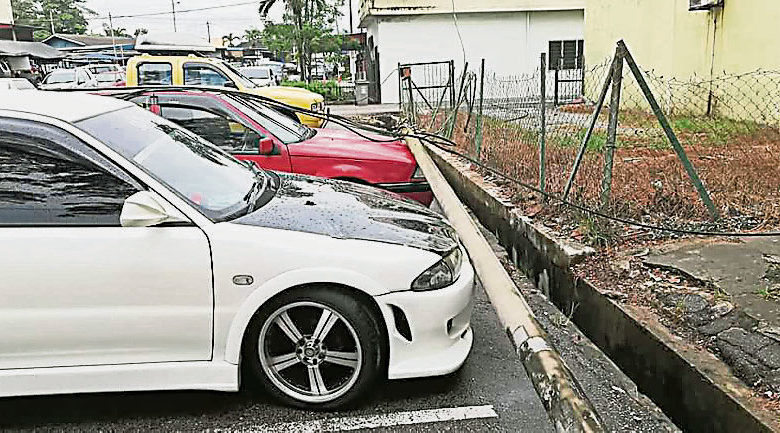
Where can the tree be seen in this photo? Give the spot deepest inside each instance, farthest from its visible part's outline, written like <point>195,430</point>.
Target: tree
<point>67,16</point>
<point>230,39</point>
<point>253,36</point>
<point>140,31</point>
<point>309,25</point>
<point>119,32</point>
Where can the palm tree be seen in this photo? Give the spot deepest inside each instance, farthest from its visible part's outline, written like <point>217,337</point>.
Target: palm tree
<point>252,36</point>
<point>229,39</point>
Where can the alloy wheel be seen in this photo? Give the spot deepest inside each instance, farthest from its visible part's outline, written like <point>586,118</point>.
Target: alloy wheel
<point>310,352</point>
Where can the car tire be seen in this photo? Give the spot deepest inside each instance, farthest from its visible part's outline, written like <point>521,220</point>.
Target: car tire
<point>300,367</point>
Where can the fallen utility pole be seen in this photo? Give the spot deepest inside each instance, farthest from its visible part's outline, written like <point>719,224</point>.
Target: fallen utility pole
<point>566,404</point>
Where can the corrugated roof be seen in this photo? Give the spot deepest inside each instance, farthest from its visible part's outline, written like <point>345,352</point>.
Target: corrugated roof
<point>87,40</point>
<point>32,49</point>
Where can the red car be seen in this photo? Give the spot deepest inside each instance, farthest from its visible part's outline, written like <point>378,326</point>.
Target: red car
<point>252,131</point>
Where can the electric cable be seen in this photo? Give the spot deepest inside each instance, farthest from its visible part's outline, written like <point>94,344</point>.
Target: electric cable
<point>438,141</point>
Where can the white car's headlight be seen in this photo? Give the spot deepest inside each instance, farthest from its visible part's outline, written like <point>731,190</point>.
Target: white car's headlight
<point>442,274</point>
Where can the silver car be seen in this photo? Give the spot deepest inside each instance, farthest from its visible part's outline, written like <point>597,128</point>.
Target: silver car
<point>76,78</point>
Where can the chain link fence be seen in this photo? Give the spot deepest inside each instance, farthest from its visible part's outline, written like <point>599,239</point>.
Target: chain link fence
<point>728,127</point>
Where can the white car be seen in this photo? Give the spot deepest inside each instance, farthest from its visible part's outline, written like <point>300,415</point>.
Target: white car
<point>103,68</point>
<point>138,256</point>
<point>76,78</point>
<point>263,76</point>
<point>16,84</point>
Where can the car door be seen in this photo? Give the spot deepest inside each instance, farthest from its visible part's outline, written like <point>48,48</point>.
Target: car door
<point>77,288</point>
<point>223,125</point>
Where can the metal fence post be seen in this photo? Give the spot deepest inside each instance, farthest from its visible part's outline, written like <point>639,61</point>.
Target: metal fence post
<point>400,89</point>
<point>678,149</point>
<point>452,83</point>
<point>412,111</point>
<point>478,135</point>
<point>557,86</point>
<point>453,118</point>
<point>614,110</point>
<point>591,127</point>
<point>542,119</point>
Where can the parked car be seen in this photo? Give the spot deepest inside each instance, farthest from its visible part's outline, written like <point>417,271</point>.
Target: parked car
<point>263,76</point>
<point>101,68</point>
<point>252,131</point>
<point>77,78</point>
<point>146,258</point>
<point>146,70</point>
<point>5,70</point>
<point>16,84</point>
<point>111,79</point>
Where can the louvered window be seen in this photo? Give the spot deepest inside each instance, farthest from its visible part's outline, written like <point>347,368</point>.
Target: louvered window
<point>566,55</point>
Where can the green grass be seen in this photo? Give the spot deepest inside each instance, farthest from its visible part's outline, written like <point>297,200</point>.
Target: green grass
<point>597,142</point>
<point>718,130</point>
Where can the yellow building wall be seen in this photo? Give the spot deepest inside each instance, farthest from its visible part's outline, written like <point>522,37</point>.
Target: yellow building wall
<point>679,45</point>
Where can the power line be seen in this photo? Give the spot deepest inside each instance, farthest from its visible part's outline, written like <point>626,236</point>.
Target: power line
<point>151,14</point>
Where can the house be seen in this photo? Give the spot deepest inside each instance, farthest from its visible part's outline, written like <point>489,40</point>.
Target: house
<point>699,40</point>
<point>509,34</point>
<point>9,30</point>
<point>76,43</point>
<point>86,49</point>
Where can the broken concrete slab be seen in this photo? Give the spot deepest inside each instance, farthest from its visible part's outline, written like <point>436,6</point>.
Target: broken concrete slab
<point>742,270</point>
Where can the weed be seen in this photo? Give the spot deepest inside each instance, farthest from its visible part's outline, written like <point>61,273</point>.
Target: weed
<point>720,295</point>
<point>562,320</point>
<point>771,293</point>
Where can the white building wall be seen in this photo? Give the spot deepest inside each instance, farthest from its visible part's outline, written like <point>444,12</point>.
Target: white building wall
<point>6,17</point>
<point>510,42</point>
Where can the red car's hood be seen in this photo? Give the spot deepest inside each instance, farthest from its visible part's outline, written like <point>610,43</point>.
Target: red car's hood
<point>333,143</point>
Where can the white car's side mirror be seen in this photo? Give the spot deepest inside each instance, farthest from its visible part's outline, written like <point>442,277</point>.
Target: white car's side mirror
<point>147,209</point>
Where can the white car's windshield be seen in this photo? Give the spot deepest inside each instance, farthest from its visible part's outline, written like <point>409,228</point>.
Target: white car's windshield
<point>59,77</point>
<point>257,73</point>
<point>210,179</point>
<point>110,77</point>
<point>246,82</point>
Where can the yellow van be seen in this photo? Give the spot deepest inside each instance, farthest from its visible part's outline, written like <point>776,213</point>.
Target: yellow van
<point>148,70</point>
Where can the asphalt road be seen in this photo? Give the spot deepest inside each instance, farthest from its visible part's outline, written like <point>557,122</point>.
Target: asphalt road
<point>492,376</point>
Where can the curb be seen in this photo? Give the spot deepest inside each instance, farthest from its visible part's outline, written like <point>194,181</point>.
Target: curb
<point>566,404</point>
<point>695,389</point>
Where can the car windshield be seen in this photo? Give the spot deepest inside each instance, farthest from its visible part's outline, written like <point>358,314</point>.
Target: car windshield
<point>281,126</point>
<point>59,77</point>
<point>214,182</point>
<point>246,82</point>
<point>101,69</point>
<point>259,73</point>
<point>109,77</point>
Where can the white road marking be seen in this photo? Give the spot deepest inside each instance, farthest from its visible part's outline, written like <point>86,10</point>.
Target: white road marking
<point>377,421</point>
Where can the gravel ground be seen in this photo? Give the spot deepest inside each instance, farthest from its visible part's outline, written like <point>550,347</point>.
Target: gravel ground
<point>612,393</point>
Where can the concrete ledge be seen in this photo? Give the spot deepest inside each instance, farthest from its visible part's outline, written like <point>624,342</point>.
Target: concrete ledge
<point>693,387</point>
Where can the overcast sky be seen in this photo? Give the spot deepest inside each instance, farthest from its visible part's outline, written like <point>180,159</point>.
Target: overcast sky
<point>233,19</point>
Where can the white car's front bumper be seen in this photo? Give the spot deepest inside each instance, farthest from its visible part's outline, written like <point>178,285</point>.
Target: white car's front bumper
<point>439,324</point>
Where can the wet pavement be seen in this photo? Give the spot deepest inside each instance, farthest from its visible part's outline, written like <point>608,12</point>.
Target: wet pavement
<point>492,378</point>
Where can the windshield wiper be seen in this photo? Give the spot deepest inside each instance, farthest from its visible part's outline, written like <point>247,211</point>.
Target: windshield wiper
<point>257,189</point>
